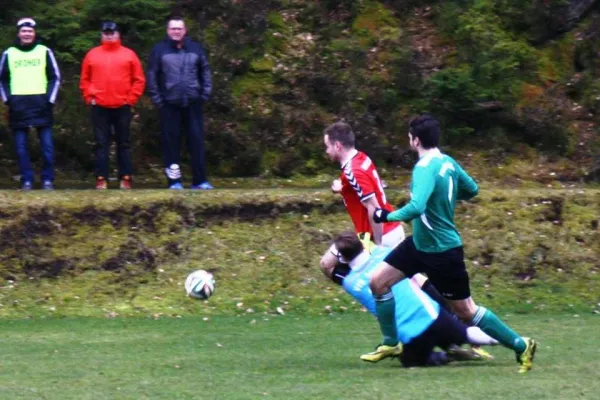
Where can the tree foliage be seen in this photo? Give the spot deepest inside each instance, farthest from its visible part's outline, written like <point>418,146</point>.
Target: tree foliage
<point>284,69</point>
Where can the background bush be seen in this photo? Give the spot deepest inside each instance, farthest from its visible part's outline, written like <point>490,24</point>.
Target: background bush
<point>284,69</point>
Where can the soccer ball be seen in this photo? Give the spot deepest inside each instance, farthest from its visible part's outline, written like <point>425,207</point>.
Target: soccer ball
<point>200,284</point>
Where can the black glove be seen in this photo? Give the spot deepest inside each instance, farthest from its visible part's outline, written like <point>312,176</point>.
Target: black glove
<point>380,215</point>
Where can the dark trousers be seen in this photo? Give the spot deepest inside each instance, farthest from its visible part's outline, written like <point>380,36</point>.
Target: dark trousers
<point>47,146</point>
<point>104,121</point>
<point>190,119</point>
<point>444,331</point>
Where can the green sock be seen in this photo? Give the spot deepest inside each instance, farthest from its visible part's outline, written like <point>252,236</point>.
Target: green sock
<point>488,322</point>
<point>386,315</point>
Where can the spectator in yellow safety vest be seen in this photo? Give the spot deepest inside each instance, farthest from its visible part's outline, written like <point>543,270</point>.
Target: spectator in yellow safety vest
<point>29,82</point>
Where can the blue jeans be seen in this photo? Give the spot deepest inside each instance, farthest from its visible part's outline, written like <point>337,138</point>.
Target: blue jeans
<point>25,169</point>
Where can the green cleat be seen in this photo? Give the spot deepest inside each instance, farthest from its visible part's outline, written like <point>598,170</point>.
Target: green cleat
<point>382,351</point>
<point>526,357</point>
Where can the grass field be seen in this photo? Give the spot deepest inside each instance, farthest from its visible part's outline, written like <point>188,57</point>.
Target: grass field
<point>276,356</point>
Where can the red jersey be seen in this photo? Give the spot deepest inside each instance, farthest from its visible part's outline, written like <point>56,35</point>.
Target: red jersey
<point>360,182</point>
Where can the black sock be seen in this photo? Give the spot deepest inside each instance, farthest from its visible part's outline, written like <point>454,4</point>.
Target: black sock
<point>434,294</point>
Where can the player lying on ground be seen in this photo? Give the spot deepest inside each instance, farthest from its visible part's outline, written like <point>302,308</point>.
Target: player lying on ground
<point>421,324</point>
<point>435,248</point>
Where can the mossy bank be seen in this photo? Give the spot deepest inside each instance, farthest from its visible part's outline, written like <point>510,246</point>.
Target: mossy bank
<point>75,253</point>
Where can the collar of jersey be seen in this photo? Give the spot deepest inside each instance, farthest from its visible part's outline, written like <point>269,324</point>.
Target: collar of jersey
<point>359,260</point>
<point>432,153</point>
<point>353,154</point>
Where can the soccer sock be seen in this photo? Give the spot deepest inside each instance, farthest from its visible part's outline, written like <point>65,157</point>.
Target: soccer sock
<point>386,315</point>
<point>478,337</point>
<point>434,294</point>
<point>493,326</point>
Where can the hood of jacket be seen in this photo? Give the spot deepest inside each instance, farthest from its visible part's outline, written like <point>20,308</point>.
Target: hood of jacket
<point>173,43</point>
<point>112,45</point>
<point>26,47</point>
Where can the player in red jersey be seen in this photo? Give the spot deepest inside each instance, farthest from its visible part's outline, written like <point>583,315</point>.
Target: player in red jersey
<point>362,191</point>
<point>360,186</point>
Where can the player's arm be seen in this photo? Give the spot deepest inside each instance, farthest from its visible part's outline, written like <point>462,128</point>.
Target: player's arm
<point>53,76</point>
<point>467,187</point>
<point>5,78</point>
<point>423,185</point>
<point>363,183</point>
<point>371,204</point>
<point>153,77</point>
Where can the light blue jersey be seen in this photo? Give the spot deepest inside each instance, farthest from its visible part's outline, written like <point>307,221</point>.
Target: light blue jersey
<point>415,310</point>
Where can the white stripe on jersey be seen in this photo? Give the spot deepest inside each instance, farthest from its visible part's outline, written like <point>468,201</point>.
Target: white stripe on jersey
<point>352,181</point>
<point>426,222</point>
<point>367,197</point>
<point>366,164</point>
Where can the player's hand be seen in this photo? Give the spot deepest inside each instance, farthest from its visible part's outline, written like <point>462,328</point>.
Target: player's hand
<point>380,215</point>
<point>336,186</point>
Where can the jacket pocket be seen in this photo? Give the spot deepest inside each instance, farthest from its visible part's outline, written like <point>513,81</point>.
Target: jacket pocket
<point>193,90</point>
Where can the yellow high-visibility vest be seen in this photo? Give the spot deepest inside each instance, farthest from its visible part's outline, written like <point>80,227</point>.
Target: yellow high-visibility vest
<point>28,70</point>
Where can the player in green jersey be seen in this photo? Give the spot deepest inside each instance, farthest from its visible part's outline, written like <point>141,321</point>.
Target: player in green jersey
<point>435,248</point>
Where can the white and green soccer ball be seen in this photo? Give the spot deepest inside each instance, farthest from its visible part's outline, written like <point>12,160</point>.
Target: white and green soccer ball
<point>200,284</point>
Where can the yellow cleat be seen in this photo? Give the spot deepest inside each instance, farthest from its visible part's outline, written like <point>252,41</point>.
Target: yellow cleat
<point>526,357</point>
<point>457,353</point>
<point>382,351</point>
<point>484,355</point>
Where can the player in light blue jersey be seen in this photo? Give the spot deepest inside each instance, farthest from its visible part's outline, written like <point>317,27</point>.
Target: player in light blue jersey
<point>435,248</point>
<point>421,324</point>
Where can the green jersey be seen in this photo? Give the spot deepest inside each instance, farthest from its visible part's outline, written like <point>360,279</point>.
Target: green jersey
<point>437,182</point>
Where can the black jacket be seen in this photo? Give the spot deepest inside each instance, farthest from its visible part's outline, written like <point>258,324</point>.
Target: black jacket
<point>178,76</point>
<point>30,110</point>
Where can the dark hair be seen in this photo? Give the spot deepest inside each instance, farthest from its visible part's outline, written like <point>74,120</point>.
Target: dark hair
<point>349,245</point>
<point>427,129</point>
<point>175,18</point>
<point>340,132</point>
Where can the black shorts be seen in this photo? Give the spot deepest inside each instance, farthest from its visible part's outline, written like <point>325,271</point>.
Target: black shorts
<point>444,331</point>
<point>446,270</point>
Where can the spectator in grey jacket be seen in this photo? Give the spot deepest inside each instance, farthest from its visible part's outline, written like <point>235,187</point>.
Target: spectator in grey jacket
<point>179,82</point>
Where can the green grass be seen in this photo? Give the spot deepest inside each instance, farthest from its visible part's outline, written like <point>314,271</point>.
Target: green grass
<point>276,356</point>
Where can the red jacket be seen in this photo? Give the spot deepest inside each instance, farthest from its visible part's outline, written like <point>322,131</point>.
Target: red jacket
<point>112,76</point>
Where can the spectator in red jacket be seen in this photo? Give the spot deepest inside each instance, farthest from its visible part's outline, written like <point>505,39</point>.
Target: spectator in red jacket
<point>112,81</point>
